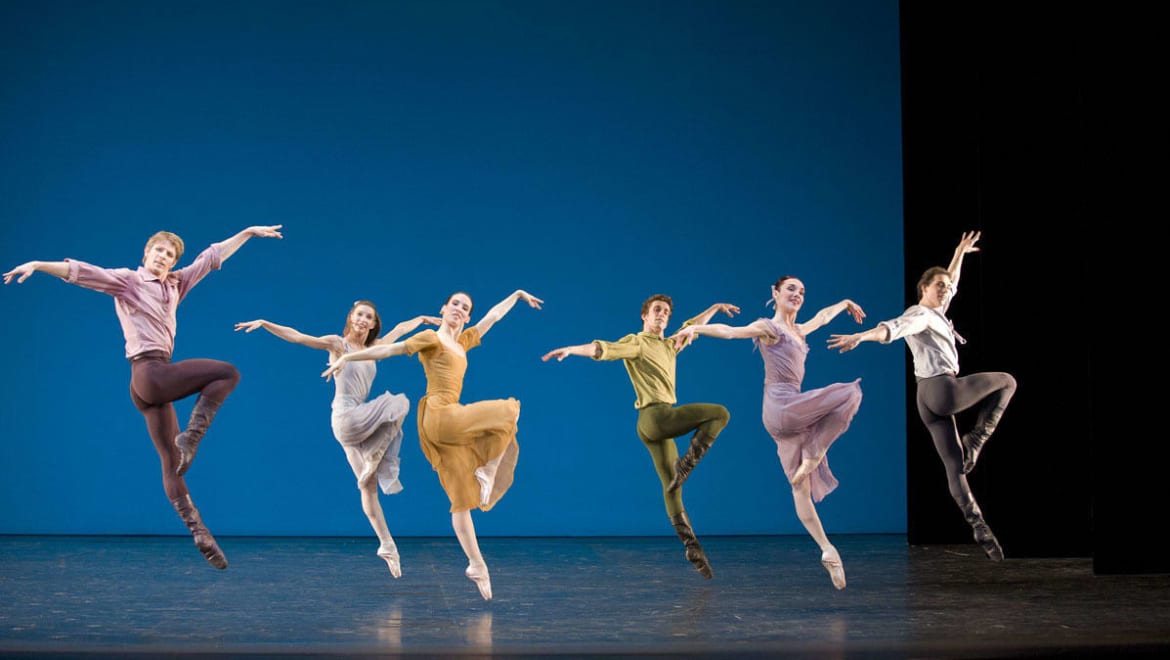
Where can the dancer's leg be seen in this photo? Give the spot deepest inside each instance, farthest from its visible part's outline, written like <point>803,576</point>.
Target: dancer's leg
<point>945,436</point>
<point>477,570</point>
<point>841,404</point>
<point>988,392</point>
<point>159,381</point>
<point>707,420</point>
<point>372,507</point>
<point>807,513</point>
<point>162,425</point>
<point>664,454</point>
<point>486,473</point>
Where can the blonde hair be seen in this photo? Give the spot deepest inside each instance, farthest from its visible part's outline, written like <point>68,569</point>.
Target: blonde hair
<point>167,236</point>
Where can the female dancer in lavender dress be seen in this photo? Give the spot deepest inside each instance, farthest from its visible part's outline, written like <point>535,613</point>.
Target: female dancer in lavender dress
<point>803,424</point>
<point>370,432</point>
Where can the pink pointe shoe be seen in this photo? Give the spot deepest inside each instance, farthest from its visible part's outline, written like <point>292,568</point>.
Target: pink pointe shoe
<point>478,573</point>
<point>486,483</point>
<point>807,467</point>
<point>390,554</point>
<point>832,563</point>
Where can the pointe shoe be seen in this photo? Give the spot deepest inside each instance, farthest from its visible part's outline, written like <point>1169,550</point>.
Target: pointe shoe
<point>478,573</point>
<point>390,554</point>
<point>486,483</point>
<point>807,467</point>
<point>832,563</point>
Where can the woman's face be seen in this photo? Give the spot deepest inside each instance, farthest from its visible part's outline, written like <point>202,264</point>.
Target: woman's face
<point>362,319</point>
<point>457,311</point>
<point>790,295</point>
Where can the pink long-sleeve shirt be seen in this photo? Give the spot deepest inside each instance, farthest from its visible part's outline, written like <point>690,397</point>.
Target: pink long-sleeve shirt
<point>146,305</point>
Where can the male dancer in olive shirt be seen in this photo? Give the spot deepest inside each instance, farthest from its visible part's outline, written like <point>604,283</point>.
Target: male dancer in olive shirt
<point>650,360</point>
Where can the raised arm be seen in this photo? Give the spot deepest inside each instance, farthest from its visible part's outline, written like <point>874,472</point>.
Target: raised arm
<point>25,270</point>
<point>503,307</point>
<point>727,308</point>
<point>590,350</point>
<point>829,313</point>
<point>966,244</point>
<point>228,247</point>
<point>331,343</point>
<point>687,334</point>
<point>376,352</point>
<point>849,342</point>
<point>405,327</point>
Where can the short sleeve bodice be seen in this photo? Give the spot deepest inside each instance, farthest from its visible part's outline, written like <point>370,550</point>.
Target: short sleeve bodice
<point>444,368</point>
<point>784,360</point>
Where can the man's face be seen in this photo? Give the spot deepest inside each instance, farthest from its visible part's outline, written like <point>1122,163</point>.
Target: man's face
<point>656,317</point>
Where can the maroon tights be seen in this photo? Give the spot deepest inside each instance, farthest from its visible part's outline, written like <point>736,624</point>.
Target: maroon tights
<point>155,384</point>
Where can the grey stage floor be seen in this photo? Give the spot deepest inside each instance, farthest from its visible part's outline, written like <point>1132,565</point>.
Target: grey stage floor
<point>580,597</point>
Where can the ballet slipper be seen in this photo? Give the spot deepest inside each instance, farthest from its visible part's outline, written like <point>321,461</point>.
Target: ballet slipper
<point>832,563</point>
<point>807,467</point>
<point>389,552</point>
<point>477,572</point>
<point>486,483</point>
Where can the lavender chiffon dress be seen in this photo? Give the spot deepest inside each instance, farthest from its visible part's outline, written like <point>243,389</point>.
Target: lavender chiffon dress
<point>803,424</point>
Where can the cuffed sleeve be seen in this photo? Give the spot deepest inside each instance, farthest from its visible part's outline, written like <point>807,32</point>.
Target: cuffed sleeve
<point>626,348</point>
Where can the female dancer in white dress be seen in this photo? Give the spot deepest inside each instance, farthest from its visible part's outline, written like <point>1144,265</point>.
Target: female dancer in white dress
<point>803,423</point>
<point>370,432</point>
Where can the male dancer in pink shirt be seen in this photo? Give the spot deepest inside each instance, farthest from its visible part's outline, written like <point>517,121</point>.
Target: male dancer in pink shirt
<point>146,300</point>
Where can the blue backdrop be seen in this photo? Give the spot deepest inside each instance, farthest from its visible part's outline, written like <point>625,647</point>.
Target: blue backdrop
<point>592,153</point>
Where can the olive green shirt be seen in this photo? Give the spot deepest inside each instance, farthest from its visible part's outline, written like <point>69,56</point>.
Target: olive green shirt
<point>649,361</point>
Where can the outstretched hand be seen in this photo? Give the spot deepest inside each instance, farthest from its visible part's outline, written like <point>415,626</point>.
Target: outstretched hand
<point>249,326</point>
<point>854,310</point>
<point>683,338</point>
<point>532,300</point>
<point>845,343</point>
<point>967,243</point>
<point>23,271</point>
<point>726,308</point>
<point>431,320</point>
<point>335,367</point>
<point>559,354</point>
<point>265,231</point>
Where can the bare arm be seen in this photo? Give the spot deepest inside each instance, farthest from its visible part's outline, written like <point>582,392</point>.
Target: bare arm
<point>405,327</point>
<point>829,313</point>
<point>503,307</point>
<point>966,244</point>
<point>727,308</point>
<point>376,352</point>
<point>687,334</point>
<point>590,350</point>
<point>228,247</point>
<point>849,342</point>
<point>25,270</point>
<point>331,343</point>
